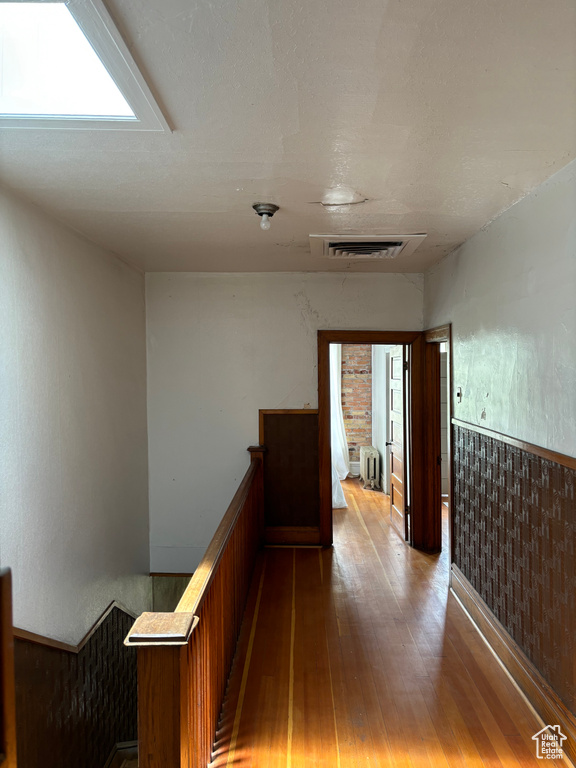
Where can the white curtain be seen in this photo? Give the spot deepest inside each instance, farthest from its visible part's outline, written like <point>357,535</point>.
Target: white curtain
<point>340,457</point>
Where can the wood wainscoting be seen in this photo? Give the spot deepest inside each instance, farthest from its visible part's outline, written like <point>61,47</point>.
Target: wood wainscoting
<point>514,520</point>
<point>75,704</point>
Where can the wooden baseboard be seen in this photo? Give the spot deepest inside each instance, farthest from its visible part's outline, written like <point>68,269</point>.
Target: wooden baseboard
<point>541,696</point>
<point>292,535</point>
<point>122,751</point>
<point>162,574</point>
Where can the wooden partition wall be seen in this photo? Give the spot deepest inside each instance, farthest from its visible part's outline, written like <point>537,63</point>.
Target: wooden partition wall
<point>7,691</point>
<point>289,439</point>
<point>184,657</point>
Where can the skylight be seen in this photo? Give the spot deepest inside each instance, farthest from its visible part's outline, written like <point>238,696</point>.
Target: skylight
<point>60,63</point>
<point>50,68</point>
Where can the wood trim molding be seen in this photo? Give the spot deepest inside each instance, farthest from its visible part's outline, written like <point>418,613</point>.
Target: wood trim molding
<point>539,693</point>
<point>50,642</point>
<point>368,337</point>
<point>161,574</point>
<point>32,637</point>
<point>543,453</point>
<point>439,334</point>
<point>325,338</point>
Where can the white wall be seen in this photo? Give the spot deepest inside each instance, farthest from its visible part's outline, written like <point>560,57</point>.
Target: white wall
<point>220,347</point>
<point>73,469</point>
<point>380,409</point>
<point>510,292</point>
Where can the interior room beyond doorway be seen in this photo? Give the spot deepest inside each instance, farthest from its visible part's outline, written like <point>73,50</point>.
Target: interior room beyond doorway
<point>361,407</point>
<point>359,383</point>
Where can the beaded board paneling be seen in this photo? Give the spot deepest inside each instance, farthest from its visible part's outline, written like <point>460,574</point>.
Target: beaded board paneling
<point>514,539</point>
<point>73,708</point>
<point>291,495</point>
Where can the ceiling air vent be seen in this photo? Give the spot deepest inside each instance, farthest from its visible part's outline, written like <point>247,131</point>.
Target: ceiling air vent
<point>363,247</point>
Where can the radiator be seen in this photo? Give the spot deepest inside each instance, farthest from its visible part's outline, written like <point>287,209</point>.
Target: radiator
<point>370,466</point>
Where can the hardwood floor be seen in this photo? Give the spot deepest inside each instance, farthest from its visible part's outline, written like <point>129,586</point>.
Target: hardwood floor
<point>358,656</point>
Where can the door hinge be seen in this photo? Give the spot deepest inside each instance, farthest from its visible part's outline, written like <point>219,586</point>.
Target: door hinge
<point>407,509</point>
<point>405,365</point>
<point>439,461</point>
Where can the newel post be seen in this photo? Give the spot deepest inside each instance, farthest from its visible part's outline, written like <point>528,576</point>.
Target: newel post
<point>7,684</point>
<point>257,453</point>
<point>164,688</point>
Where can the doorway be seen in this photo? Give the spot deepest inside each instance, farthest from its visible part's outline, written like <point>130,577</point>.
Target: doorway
<point>368,420</point>
<point>413,342</point>
<point>423,420</point>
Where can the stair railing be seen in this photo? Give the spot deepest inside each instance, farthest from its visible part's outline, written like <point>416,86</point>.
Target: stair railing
<point>184,657</point>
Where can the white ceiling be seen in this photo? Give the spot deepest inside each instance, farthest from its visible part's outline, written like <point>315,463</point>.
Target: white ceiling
<point>440,113</point>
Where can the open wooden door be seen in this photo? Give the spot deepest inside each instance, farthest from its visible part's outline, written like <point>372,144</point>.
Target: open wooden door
<point>399,511</point>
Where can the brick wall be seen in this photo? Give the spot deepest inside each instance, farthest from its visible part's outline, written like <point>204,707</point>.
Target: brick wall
<point>357,396</point>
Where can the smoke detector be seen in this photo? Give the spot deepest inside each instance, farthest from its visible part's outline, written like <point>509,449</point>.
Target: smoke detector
<point>364,247</point>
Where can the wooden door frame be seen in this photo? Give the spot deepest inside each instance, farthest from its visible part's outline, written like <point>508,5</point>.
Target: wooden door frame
<point>422,532</point>
<point>433,475</point>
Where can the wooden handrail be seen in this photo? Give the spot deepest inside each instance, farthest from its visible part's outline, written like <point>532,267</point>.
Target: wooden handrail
<point>184,657</point>
<point>197,589</point>
<point>7,687</point>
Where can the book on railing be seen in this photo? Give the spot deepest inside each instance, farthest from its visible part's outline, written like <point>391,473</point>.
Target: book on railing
<point>162,629</point>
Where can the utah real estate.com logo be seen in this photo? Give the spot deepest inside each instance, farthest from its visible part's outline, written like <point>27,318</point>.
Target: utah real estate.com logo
<point>549,743</point>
